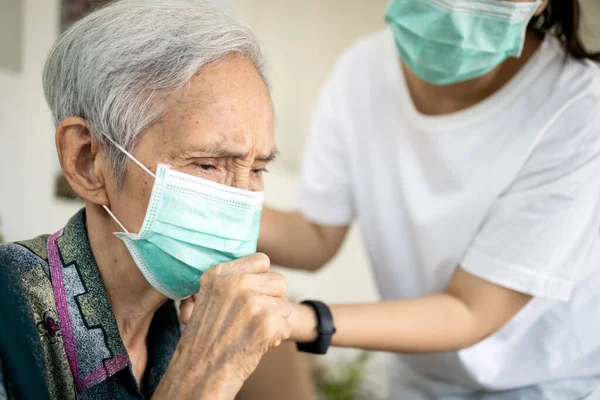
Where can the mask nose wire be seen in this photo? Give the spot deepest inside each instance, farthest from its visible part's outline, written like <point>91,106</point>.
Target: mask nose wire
<point>132,158</point>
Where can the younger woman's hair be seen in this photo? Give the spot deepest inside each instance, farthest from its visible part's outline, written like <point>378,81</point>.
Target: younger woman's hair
<point>562,18</point>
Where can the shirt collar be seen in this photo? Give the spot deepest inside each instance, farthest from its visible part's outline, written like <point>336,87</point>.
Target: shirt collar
<point>93,344</point>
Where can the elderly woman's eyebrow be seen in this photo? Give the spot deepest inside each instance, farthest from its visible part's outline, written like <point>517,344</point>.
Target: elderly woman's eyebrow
<point>226,151</point>
<point>268,157</point>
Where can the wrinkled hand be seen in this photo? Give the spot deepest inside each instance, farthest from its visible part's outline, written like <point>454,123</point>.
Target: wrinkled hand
<point>239,314</point>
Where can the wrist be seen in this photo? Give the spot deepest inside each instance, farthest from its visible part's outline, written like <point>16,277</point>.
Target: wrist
<point>325,329</point>
<point>202,383</point>
<point>219,386</point>
<point>304,324</point>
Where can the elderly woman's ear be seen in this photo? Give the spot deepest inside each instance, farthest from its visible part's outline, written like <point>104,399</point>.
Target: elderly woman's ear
<point>82,160</point>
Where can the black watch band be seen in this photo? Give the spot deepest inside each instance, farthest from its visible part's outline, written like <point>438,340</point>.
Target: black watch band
<point>325,329</point>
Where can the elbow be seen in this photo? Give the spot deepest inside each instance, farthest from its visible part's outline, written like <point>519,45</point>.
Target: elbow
<point>315,265</point>
<point>318,262</point>
<point>470,341</point>
<point>307,264</point>
<point>474,336</point>
<point>469,330</point>
<point>312,267</point>
<point>327,257</point>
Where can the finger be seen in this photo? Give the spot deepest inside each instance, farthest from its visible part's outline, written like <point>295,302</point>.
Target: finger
<point>286,329</point>
<point>186,308</point>
<point>271,284</point>
<point>257,263</point>
<point>276,328</point>
<point>278,306</point>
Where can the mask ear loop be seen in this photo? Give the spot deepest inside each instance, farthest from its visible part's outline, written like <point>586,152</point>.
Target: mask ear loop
<point>132,158</point>
<point>142,166</point>
<point>115,218</point>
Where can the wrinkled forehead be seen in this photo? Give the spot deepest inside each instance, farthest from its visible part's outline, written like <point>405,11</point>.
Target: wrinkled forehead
<point>225,108</point>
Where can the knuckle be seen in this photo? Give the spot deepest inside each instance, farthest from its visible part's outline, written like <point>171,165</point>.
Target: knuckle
<point>230,283</point>
<point>242,280</point>
<point>224,285</point>
<point>283,281</point>
<point>271,325</point>
<point>254,306</point>
<point>262,260</point>
<point>211,273</point>
<point>217,269</point>
<point>205,279</point>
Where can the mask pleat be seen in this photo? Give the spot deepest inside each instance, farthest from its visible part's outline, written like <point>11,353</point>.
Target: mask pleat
<point>190,226</point>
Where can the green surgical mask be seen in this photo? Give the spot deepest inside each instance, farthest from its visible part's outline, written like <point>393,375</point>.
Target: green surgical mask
<point>191,225</point>
<point>450,41</point>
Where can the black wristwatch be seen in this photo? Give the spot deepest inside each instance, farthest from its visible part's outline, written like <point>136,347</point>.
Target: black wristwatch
<point>325,329</point>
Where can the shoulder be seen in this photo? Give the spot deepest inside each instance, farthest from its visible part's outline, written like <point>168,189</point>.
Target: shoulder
<point>21,278</point>
<point>571,111</point>
<point>24,265</point>
<point>564,82</point>
<point>23,255</point>
<point>573,128</point>
<point>568,149</point>
<point>575,76</point>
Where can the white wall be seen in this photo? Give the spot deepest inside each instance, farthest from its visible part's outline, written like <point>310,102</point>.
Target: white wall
<point>303,38</point>
<point>27,205</point>
<point>10,34</point>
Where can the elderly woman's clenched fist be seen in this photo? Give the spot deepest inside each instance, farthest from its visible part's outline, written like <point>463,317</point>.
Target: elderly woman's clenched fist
<point>239,314</point>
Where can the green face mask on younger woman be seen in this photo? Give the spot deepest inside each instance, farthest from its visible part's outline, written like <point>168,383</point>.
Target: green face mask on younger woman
<point>450,41</point>
<point>191,225</point>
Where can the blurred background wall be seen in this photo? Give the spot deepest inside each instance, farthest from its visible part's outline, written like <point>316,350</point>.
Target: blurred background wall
<point>302,39</point>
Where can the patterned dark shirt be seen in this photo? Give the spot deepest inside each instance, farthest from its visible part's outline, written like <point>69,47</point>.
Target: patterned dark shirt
<point>80,352</point>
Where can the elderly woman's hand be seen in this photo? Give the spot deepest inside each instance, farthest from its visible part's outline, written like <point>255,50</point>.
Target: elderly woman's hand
<point>239,314</point>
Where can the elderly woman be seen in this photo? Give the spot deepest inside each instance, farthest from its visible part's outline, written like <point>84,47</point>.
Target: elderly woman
<point>164,126</point>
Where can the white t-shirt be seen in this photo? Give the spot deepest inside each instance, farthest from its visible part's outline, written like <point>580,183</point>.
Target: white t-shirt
<point>509,189</point>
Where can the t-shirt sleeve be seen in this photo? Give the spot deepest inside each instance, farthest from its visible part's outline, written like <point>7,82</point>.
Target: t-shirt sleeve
<point>539,236</point>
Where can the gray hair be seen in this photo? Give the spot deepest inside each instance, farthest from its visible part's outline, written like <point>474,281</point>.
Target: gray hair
<point>115,66</point>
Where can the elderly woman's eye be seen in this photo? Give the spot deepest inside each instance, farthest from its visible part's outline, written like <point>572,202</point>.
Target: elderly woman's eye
<point>259,171</point>
<point>206,167</point>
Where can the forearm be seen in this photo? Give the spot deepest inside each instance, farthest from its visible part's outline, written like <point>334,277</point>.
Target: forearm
<point>468,311</point>
<point>291,241</point>
<point>427,324</point>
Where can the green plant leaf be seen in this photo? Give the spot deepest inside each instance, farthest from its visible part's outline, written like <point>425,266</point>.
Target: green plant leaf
<point>346,381</point>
